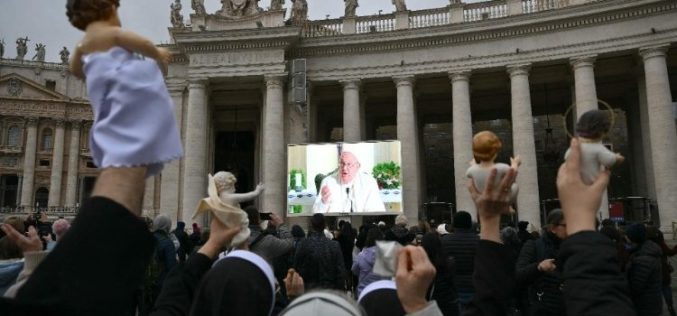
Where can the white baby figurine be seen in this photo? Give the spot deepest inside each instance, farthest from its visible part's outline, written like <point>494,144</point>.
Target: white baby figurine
<point>485,147</point>
<point>591,128</point>
<point>224,203</point>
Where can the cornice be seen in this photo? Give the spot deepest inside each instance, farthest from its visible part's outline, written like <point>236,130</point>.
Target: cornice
<point>595,13</point>
<point>205,41</point>
<point>498,60</point>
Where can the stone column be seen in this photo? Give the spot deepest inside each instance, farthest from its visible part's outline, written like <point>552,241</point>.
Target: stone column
<point>170,184</point>
<point>646,138</point>
<point>528,201</point>
<point>273,151</point>
<point>352,114</point>
<point>462,139</point>
<point>584,78</point>
<point>586,100</point>
<point>73,162</point>
<point>57,166</point>
<point>195,149</point>
<point>149,197</point>
<point>407,134</point>
<point>29,163</point>
<point>662,132</point>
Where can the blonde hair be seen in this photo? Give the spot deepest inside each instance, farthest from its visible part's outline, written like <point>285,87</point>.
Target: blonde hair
<point>485,146</point>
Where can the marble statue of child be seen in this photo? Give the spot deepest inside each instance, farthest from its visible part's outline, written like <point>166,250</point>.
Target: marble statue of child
<point>224,203</point>
<point>486,146</point>
<point>134,122</point>
<point>591,128</point>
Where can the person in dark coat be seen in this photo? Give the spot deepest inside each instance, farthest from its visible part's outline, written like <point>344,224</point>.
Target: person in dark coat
<point>196,235</point>
<point>442,290</point>
<point>185,246</point>
<point>346,239</point>
<point>644,272</point>
<point>522,232</point>
<point>165,253</point>
<point>537,268</point>
<point>319,260</point>
<point>654,234</point>
<point>399,231</point>
<point>461,245</point>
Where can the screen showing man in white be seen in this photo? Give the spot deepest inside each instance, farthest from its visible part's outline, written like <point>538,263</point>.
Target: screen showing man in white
<point>348,190</point>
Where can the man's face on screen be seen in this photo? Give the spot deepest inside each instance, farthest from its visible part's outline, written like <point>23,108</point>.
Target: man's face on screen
<point>348,167</point>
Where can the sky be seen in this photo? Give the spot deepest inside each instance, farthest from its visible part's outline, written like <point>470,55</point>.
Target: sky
<point>45,21</point>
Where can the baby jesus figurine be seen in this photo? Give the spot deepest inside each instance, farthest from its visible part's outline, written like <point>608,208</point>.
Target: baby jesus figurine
<point>591,128</point>
<point>485,148</point>
<point>224,203</point>
<point>134,122</point>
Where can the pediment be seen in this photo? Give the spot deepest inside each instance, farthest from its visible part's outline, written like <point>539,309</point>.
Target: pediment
<point>17,86</point>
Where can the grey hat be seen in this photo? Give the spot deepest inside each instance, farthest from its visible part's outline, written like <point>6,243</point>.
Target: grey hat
<point>324,303</point>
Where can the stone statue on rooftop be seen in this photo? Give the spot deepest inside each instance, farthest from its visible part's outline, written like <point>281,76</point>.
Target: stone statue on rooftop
<point>276,4</point>
<point>240,8</point>
<point>198,6</point>
<point>64,54</point>
<point>40,52</point>
<point>2,48</point>
<point>21,48</point>
<point>400,6</point>
<point>351,7</point>
<point>299,12</point>
<point>176,17</point>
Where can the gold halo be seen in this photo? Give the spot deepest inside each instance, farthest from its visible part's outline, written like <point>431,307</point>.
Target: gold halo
<point>606,105</point>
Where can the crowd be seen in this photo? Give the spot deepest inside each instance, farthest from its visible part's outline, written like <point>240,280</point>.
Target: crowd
<point>456,269</point>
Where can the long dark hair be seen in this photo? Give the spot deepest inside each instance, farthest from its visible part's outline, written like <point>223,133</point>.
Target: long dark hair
<point>374,234</point>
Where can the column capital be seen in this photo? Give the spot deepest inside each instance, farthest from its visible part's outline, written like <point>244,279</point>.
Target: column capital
<point>583,61</point>
<point>60,123</point>
<point>460,75</point>
<point>518,70</point>
<point>32,122</point>
<point>351,83</point>
<point>76,124</point>
<point>654,51</point>
<point>406,80</point>
<point>197,83</point>
<point>274,80</point>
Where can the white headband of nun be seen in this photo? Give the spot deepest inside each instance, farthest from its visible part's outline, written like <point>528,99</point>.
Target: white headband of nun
<point>378,285</point>
<point>261,264</point>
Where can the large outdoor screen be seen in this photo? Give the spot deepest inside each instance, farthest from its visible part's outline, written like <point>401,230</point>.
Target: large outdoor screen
<point>344,179</point>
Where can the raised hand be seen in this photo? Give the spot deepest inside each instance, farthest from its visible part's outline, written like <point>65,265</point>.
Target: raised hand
<point>28,243</point>
<point>219,237</point>
<point>294,284</point>
<point>579,201</point>
<point>414,275</point>
<point>492,203</point>
<point>326,194</point>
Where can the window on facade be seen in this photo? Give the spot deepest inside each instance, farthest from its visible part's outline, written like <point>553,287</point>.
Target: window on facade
<point>50,84</point>
<point>44,163</point>
<point>47,140</point>
<point>13,135</point>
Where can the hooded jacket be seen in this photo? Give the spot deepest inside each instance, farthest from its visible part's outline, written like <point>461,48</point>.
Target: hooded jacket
<point>644,277</point>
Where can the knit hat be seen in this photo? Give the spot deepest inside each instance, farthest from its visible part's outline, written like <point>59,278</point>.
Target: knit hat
<point>380,298</point>
<point>636,233</point>
<point>462,220</point>
<point>324,303</point>
<point>241,283</point>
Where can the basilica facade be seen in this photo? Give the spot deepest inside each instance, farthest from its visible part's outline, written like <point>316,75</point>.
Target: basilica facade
<point>247,81</point>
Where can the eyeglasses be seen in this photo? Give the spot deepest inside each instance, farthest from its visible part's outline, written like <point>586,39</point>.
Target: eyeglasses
<point>563,225</point>
<point>348,165</point>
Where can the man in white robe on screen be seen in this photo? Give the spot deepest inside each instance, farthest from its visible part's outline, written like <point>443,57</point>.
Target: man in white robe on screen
<point>348,190</point>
